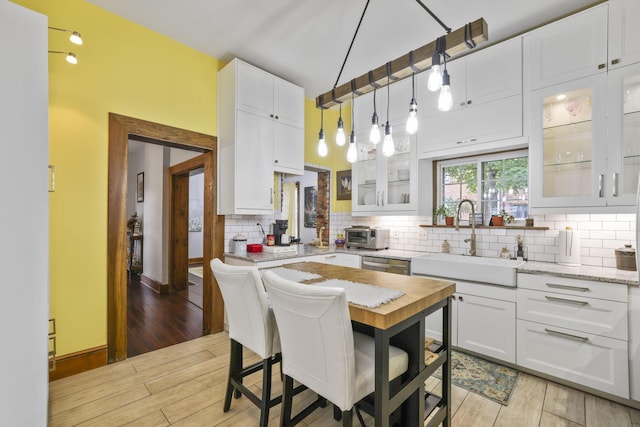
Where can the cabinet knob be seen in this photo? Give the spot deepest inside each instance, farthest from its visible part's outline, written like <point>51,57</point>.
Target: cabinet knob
<point>462,104</point>
<point>468,102</point>
<point>460,298</point>
<point>277,117</point>
<point>615,61</point>
<point>275,161</point>
<point>271,115</point>
<point>601,66</point>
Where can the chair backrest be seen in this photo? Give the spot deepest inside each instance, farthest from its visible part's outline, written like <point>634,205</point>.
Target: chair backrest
<point>316,337</point>
<point>251,321</point>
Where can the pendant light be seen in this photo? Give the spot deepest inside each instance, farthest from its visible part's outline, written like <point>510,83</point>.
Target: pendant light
<point>412,120</point>
<point>434,83</point>
<point>340,137</point>
<point>388,148</point>
<point>374,134</point>
<point>352,152</point>
<point>322,144</point>
<point>445,101</point>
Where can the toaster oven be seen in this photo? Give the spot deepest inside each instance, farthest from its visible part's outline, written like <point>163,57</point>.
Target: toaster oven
<point>366,237</point>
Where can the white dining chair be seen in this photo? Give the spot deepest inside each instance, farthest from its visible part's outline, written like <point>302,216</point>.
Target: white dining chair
<point>320,349</point>
<point>251,325</point>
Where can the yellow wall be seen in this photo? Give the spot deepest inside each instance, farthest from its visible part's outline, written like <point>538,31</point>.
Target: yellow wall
<point>129,70</point>
<point>337,157</point>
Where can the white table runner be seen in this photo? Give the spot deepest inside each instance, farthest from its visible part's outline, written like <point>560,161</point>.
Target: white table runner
<point>293,275</point>
<point>361,294</point>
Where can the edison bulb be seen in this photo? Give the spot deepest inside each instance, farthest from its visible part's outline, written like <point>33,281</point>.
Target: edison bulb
<point>374,133</point>
<point>352,152</point>
<point>340,137</point>
<point>412,120</point>
<point>445,101</point>
<point>435,78</point>
<point>388,148</point>
<point>323,150</point>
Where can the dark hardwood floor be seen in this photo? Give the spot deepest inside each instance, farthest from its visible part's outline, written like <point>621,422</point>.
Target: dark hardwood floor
<point>156,321</point>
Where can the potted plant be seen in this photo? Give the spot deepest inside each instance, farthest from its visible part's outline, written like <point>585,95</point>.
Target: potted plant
<point>501,218</point>
<point>443,211</point>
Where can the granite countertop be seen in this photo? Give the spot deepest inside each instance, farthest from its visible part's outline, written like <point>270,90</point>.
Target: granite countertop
<point>585,272</point>
<point>308,250</point>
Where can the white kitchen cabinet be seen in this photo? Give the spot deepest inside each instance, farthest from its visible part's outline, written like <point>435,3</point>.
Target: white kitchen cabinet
<point>568,146</point>
<point>385,185</point>
<point>634,342</point>
<point>623,135</point>
<point>483,320</point>
<point>487,103</point>
<point>583,358</point>
<point>575,330</point>
<point>260,131</point>
<point>336,258</point>
<point>24,220</point>
<point>594,41</point>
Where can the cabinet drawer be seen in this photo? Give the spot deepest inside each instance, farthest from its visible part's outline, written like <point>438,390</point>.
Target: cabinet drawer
<point>594,316</point>
<point>590,360</point>
<point>577,287</point>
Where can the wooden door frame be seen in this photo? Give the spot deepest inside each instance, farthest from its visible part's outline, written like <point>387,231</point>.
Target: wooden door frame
<point>121,129</point>
<point>178,265</point>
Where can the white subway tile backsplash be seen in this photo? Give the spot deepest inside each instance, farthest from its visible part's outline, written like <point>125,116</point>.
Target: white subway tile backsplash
<point>600,234</point>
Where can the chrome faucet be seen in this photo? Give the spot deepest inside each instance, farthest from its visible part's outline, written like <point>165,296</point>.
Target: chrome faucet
<point>472,240</point>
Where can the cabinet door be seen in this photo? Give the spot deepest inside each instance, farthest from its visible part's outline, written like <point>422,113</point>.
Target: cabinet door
<point>591,360</point>
<point>254,89</point>
<point>568,146</point>
<point>623,147</point>
<point>568,49</point>
<point>433,323</point>
<point>487,326</point>
<point>254,171</point>
<point>624,33</point>
<point>495,72</point>
<point>288,155</point>
<point>288,102</point>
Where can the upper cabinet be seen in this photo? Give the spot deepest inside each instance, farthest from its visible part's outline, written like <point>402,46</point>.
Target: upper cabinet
<point>487,103</point>
<point>260,131</point>
<point>585,103</point>
<point>594,41</point>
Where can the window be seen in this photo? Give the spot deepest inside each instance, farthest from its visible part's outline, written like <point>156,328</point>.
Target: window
<point>494,182</point>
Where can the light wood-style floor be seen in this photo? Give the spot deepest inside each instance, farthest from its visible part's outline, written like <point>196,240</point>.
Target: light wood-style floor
<point>184,385</point>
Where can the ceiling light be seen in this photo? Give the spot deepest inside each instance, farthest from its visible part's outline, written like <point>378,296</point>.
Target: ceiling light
<point>340,136</point>
<point>387,145</point>
<point>70,58</point>
<point>323,150</point>
<point>352,152</point>
<point>412,120</point>
<point>374,134</point>
<point>435,75</point>
<point>445,101</point>
<point>75,37</point>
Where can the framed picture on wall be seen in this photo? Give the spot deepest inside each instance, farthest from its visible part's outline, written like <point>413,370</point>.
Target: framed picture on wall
<point>343,184</point>
<point>141,187</point>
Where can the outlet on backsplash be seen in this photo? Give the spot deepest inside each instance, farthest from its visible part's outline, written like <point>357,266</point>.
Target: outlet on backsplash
<point>395,234</point>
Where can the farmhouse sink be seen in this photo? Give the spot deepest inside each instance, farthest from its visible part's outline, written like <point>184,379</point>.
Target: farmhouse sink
<point>496,271</point>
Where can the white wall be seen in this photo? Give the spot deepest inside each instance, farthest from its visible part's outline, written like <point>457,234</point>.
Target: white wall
<point>24,216</point>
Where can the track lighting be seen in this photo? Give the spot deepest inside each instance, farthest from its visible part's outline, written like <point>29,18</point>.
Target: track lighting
<point>340,136</point>
<point>75,37</point>
<point>374,134</point>
<point>412,120</point>
<point>323,150</point>
<point>70,58</point>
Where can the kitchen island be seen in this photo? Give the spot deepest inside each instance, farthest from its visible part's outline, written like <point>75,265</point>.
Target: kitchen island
<point>400,323</point>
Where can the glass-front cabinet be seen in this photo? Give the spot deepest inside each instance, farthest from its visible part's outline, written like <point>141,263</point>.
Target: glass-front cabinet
<point>568,145</point>
<point>385,184</point>
<point>624,127</point>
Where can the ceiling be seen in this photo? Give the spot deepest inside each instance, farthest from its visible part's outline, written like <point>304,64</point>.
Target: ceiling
<point>305,42</point>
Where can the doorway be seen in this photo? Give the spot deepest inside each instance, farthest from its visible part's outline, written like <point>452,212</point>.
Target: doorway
<point>121,129</point>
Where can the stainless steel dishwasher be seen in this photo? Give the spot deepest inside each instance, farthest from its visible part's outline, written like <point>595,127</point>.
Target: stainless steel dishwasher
<point>389,265</point>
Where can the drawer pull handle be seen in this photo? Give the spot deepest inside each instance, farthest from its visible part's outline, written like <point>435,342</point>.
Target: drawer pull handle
<point>562,334</point>
<point>330,256</point>
<point>571,288</point>
<point>570,301</point>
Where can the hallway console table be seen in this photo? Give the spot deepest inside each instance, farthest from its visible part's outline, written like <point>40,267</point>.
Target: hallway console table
<point>401,323</point>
